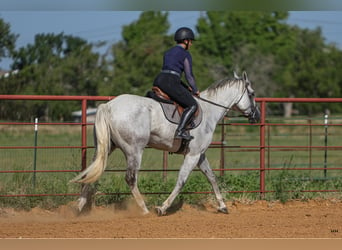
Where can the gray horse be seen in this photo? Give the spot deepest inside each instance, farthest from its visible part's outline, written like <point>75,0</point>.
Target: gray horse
<point>131,123</point>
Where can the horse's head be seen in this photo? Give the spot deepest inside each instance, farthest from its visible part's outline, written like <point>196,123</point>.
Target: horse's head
<point>246,104</point>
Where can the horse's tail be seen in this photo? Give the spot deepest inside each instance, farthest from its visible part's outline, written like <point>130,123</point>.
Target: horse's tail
<point>103,144</point>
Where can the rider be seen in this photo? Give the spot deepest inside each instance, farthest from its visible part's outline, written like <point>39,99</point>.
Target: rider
<point>176,61</point>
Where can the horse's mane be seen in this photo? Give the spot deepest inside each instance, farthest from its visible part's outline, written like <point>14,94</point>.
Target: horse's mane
<point>225,82</point>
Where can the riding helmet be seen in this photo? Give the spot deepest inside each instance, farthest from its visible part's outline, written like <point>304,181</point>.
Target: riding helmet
<point>184,33</point>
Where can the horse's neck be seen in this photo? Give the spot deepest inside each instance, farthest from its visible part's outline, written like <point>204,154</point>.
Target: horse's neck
<point>225,97</point>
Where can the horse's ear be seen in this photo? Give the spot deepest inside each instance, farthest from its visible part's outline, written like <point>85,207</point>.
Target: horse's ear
<point>236,75</point>
<point>244,76</point>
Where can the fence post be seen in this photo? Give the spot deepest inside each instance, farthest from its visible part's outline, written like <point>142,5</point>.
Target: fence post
<point>84,134</point>
<point>262,149</point>
<point>325,144</point>
<point>310,144</point>
<point>222,162</point>
<point>35,151</point>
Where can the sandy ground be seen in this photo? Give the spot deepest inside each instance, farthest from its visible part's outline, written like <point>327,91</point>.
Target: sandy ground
<point>258,219</point>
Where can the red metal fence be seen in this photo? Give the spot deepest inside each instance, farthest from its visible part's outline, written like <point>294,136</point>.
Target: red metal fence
<point>263,148</point>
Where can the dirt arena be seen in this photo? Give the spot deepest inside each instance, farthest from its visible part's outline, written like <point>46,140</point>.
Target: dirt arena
<point>258,219</point>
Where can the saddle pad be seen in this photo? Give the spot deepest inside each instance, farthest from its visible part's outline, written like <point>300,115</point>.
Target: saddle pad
<point>172,115</point>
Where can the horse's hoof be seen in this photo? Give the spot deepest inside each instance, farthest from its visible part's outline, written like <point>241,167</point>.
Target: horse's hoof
<point>146,212</point>
<point>159,211</point>
<point>223,210</point>
<point>81,202</point>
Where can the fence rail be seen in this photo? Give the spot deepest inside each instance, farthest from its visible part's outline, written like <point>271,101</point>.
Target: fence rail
<point>263,148</point>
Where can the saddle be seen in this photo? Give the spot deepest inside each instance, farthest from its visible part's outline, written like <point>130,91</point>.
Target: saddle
<point>172,110</point>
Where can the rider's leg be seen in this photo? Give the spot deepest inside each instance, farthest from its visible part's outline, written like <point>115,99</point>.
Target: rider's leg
<point>184,121</point>
<point>171,84</point>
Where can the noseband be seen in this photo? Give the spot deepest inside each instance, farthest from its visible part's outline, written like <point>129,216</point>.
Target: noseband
<point>254,114</point>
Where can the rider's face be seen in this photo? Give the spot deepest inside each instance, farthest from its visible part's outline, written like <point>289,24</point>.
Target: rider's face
<point>189,43</point>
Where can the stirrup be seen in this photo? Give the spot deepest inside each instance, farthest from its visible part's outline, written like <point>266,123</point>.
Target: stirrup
<point>183,135</point>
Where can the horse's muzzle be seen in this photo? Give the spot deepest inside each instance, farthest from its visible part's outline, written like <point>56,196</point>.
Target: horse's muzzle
<point>254,116</point>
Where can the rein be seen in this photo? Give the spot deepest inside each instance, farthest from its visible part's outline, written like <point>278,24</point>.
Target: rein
<point>213,103</point>
<point>219,105</point>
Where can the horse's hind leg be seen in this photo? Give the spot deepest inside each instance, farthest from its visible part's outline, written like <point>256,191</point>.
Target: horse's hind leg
<point>133,165</point>
<point>88,190</point>
<point>86,198</point>
<point>204,166</point>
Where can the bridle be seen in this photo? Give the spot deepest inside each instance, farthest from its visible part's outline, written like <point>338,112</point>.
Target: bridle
<point>252,116</point>
<point>222,106</point>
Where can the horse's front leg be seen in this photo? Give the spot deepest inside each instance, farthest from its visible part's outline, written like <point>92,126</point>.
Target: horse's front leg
<point>188,165</point>
<point>204,166</point>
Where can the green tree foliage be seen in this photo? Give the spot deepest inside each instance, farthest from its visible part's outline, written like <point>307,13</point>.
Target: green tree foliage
<point>7,40</point>
<point>138,58</point>
<point>53,65</point>
<point>281,60</point>
<point>309,68</point>
<point>238,40</point>
<point>58,65</point>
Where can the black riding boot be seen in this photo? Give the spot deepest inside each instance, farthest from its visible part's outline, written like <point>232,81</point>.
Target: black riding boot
<point>186,117</point>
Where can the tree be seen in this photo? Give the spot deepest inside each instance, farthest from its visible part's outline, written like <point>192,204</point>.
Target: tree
<point>7,40</point>
<point>54,65</point>
<point>59,65</point>
<point>138,58</point>
<point>282,60</point>
<point>310,69</point>
<point>236,41</point>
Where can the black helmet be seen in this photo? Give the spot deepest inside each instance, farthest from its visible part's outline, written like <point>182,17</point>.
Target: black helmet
<point>184,33</point>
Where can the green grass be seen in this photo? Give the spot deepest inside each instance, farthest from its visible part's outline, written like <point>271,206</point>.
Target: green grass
<point>285,183</point>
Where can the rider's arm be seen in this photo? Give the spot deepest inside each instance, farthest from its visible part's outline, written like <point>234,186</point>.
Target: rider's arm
<point>189,75</point>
